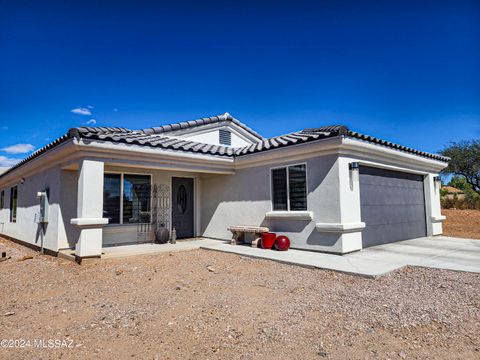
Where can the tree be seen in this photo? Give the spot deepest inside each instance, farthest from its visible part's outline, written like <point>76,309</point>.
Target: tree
<point>459,182</point>
<point>464,161</point>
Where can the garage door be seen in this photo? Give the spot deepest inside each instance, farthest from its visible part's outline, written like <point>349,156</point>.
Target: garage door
<point>392,205</point>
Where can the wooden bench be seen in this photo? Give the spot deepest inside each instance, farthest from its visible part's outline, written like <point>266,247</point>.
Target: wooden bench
<point>239,234</point>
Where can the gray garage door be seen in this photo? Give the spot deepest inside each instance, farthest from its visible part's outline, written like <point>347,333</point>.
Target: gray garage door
<point>392,205</point>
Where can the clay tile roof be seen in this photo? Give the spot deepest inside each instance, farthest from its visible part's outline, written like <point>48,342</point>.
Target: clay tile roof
<point>159,137</point>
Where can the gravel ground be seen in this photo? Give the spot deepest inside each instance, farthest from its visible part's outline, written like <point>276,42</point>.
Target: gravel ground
<point>211,305</point>
<point>462,223</point>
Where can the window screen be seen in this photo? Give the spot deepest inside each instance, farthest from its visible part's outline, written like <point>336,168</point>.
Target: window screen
<point>279,189</point>
<point>13,204</point>
<point>289,188</point>
<point>225,137</point>
<point>297,181</point>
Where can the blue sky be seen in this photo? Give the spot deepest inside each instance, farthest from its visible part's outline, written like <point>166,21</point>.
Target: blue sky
<point>405,71</point>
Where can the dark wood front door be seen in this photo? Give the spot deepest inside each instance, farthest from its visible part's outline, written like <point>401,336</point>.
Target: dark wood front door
<point>182,207</point>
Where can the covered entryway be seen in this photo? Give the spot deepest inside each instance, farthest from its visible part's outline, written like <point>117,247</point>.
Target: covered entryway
<point>392,206</point>
<point>182,207</point>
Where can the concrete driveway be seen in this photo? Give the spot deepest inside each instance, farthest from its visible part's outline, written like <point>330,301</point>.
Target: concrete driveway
<point>439,252</point>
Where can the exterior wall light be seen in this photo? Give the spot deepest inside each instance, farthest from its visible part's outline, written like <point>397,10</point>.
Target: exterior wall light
<point>22,181</point>
<point>353,166</point>
<point>354,174</point>
<point>437,182</point>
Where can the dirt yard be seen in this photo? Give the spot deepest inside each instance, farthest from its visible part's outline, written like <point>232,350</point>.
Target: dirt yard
<point>462,223</point>
<point>208,305</point>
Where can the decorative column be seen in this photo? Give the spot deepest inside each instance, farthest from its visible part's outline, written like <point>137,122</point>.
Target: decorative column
<point>90,210</point>
<point>432,185</point>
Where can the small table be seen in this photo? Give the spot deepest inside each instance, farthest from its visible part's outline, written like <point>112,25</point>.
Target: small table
<point>238,234</point>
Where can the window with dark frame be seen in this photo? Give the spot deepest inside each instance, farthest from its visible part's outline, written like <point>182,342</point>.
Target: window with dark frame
<point>13,204</point>
<point>225,137</point>
<point>126,198</point>
<point>2,199</point>
<point>289,188</point>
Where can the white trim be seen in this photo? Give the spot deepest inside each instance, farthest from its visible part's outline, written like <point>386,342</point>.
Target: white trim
<point>340,227</point>
<point>88,221</point>
<point>342,146</point>
<point>438,218</point>
<point>290,215</point>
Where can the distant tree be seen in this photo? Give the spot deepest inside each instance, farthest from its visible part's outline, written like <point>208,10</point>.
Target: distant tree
<point>459,182</point>
<point>465,162</point>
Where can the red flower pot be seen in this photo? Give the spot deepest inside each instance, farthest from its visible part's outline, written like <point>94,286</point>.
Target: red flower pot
<point>268,239</point>
<point>282,243</point>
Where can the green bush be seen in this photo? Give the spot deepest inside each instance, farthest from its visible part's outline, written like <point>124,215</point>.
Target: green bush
<point>469,202</point>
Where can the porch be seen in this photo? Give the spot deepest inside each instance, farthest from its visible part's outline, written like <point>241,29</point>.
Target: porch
<point>133,204</point>
<point>122,251</point>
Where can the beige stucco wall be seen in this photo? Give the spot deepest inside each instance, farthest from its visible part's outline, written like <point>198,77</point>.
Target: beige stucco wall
<point>333,198</point>
<point>244,199</point>
<point>25,228</point>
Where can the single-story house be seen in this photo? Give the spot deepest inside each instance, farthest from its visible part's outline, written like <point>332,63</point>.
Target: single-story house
<point>451,192</point>
<point>329,189</point>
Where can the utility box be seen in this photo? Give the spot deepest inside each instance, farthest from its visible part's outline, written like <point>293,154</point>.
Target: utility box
<point>44,207</point>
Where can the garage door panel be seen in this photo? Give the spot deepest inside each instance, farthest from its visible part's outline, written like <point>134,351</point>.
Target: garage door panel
<point>392,214</point>
<point>381,195</point>
<point>392,206</point>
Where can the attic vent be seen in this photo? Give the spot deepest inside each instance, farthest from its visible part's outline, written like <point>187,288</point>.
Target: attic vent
<point>225,137</point>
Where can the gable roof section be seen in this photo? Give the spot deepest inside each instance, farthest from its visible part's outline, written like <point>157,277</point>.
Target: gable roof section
<point>139,137</point>
<point>199,122</point>
<point>159,139</point>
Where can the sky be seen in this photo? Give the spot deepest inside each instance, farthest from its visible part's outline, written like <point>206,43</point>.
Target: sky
<point>404,71</point>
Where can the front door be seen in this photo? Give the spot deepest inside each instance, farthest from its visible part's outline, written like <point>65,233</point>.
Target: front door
<point>182,207</point>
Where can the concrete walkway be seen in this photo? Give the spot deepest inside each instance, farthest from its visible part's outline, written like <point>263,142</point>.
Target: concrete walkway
<point>437,252</point>
<point>151,249</point>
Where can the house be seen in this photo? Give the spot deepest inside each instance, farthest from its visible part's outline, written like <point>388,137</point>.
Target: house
<point>329,189</point>
<point>452,193</point>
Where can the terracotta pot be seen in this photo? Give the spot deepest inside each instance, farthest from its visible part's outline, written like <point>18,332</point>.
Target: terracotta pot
<point>162,235</point>
<point>268,239</point>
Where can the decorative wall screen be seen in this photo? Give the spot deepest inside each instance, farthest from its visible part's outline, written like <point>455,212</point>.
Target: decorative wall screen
<point>160,213</point>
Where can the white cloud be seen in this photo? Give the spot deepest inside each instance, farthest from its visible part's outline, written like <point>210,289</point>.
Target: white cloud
<point>90,107</point>
<point>6,162</point>
<point>3,169</point>
<point>91,122</point>
<point>18,149</point>
<point>81,111</point>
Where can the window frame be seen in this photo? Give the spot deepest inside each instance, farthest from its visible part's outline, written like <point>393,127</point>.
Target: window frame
<point>12,218</point>
<point>2,200</point>
<point>288,186</point>
<point>122,175</point>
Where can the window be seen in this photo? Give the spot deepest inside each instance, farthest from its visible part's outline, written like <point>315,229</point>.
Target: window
<point>225,137</point>
<point>2,199</point>
<point>13,204</point>
<point>126,198</point>
<point>289,188</point>
<point>136,199</point>
<point>111,198</point>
